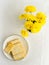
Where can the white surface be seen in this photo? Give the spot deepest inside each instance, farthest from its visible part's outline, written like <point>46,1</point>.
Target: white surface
<point>10,24</point>
<point>12,37</point>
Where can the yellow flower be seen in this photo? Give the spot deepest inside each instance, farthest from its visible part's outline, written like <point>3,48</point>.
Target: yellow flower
<point>41,17</point>
<point>24,33</point>
<point>30,8</point>
<point>28,25</point>
<point>36,28</point>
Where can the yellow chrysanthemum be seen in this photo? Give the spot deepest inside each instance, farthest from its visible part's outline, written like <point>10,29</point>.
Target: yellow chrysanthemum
<point>36,28</point>
<point>24,33</point>
<point>28,25</point>
<point>41,17</point>
<point>30,8</point>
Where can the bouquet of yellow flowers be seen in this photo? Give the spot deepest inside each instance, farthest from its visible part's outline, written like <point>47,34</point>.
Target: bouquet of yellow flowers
<point>33,23</point>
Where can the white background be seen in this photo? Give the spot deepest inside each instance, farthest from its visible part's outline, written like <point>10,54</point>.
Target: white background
<point>10,24</point>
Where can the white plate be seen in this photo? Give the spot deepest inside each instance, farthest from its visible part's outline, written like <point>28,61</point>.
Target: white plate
<point>11,38</point>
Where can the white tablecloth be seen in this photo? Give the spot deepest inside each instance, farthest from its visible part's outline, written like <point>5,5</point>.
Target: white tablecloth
<point>10,24</point>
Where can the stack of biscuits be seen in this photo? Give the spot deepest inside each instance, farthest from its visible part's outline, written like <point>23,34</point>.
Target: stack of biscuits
<point>16,49</point>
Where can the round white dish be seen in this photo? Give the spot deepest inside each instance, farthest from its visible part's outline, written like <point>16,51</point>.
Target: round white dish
<point>11,38</point>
